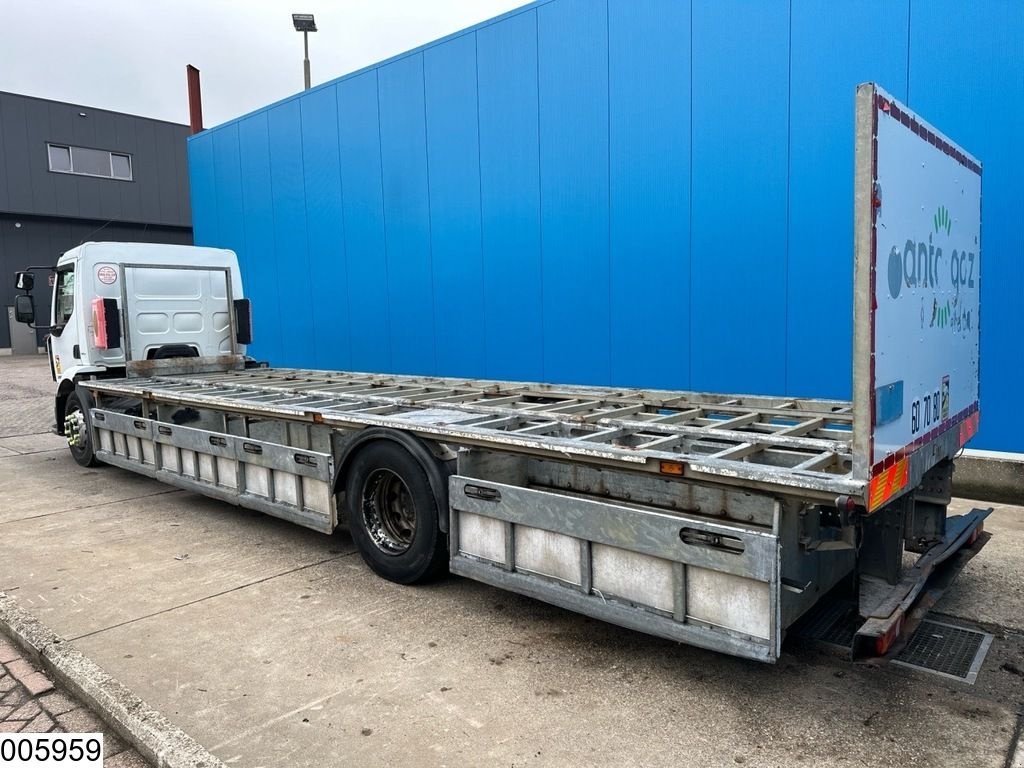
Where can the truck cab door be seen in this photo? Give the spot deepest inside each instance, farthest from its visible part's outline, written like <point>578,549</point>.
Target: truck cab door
<point>65,342</point>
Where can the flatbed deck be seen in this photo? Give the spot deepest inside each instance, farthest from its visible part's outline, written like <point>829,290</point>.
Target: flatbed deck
<point>802,445</point>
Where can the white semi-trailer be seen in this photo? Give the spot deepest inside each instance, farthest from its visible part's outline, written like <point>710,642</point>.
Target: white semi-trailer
<point>711,519</point>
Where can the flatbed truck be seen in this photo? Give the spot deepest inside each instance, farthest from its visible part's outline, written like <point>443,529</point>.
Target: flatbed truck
<point>716,520</point>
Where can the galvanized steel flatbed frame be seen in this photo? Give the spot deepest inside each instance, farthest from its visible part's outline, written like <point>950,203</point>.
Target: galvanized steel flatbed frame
<point>794,446</point>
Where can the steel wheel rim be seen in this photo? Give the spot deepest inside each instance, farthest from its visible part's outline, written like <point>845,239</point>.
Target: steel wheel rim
<point>389,515</point>
<point>82,446</point>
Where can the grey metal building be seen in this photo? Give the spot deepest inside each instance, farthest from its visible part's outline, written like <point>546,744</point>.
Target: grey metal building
<point>69,174</point>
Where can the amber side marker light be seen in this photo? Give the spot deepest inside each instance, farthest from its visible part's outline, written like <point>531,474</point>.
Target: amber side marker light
<point>672,468</point>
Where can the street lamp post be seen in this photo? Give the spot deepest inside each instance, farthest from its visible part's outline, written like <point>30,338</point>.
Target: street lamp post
<point>305,24</point>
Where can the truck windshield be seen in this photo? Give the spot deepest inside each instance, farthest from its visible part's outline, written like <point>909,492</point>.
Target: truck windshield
<point>64,302</point>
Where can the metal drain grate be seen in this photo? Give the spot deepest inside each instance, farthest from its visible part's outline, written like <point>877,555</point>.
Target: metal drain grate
<point>834,622</point>
<point>944,649</point>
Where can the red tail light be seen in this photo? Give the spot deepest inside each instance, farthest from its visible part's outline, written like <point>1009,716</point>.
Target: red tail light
<point>887,638</point>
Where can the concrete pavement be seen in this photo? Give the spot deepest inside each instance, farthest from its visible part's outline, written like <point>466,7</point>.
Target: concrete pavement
<point>274,646</point>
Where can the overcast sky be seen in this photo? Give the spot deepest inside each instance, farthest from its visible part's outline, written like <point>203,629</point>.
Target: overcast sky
<point>130,56</point>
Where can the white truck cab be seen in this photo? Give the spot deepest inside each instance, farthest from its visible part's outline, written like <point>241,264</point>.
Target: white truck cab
<point>115,304</point>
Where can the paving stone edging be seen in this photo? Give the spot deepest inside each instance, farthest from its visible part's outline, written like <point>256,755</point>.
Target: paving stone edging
<point>150,733</point>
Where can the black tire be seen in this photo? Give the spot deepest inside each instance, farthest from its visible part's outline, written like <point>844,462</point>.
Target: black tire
<point>393,515</point>
<point>83,451</point>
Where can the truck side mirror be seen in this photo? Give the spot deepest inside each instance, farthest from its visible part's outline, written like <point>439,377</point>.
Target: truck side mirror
<point>24,308</point>
<point>24,281</point>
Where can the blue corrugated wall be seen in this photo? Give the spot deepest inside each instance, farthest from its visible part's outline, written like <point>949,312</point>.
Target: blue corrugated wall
<point>630,192</point>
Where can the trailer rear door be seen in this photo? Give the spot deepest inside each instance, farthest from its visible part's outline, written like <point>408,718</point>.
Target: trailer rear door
<point>918,265</point>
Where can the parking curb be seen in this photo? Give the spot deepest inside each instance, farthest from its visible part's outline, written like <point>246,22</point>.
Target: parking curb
<point>149,732</point>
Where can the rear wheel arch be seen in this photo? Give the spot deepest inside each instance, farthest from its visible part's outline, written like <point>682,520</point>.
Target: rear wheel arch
<point>431,457</point>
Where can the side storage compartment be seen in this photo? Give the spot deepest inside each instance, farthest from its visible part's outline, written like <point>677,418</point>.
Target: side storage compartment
<point>291,483</point>
<point>714,585</point>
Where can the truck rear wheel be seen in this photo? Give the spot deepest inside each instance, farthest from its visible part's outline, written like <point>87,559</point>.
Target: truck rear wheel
<point>393,514</point>
<point>75,419</point>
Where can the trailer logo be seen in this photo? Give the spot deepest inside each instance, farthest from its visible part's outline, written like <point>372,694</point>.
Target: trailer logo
<point>949,314</point>
<point>921,264</point>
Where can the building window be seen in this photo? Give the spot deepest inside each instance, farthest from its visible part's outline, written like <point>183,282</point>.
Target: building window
<point>90,162</point>
<point>60,158</point>
<point>121,165</point>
